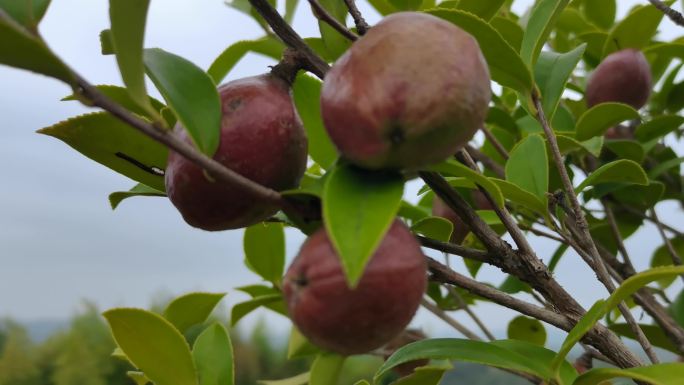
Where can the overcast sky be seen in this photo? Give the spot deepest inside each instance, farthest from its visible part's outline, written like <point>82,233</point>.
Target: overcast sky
<point>61,243</point>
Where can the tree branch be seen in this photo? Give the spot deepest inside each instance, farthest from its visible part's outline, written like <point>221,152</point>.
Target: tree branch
<point>323,15</point>
<point>452,248</point>
<point>361,25</point>
<point>675,16</point>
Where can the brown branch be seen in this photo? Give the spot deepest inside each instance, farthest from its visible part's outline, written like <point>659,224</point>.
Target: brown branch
<point>452,248</point>
<point>312,62</point>
<point>323,15</point>
<point>495,142</point>
<point>486,161</point>
<point>361,26</point>
<point>675,16</point>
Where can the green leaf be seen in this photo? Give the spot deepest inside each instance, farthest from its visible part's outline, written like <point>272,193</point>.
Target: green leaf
<point>665,166</point>
<point>600,12</point>
<point>677,309</point>
<point>326,369</point>
<point>358,209</point>
<point>658,127</point>
<point>225,62</point>
<point>26,12</point>
<point>635,30</point>
<point>213,354</point>
<point>406,5</point>
<point>511,31</point>
<point>112,143</point>
<point>301,379</point>
<point>191,309</point>
<point>463,350</point>
<point>411,212</point>
<point>654,333</point>
<point>21,49</point>
<point>298,346</point>
<point>425,375</point>
<point>434,227</point>
<point>540,356</point>
<point>662,257</point>
<point>264,245</point>
<point>257,290</point>
<point>306,92</point>
<point>660,374</point>
<point>138,190</point>
<point>290,8</point>
<point>190,93</point>
<point>551,74</point>
<point>505,65</point>
<point>539,26</point>
<point>602,307</point>
<point>153,345</point>
<point>106,42</point>
<point>486,9</point>
<point>335,42</point>
<point>453,168</point>
<point>596,120</point>
<point>139,377</point>
<point>128,19</point>
<point>121,96</point>
<point>528,166</point>
<point>527,329</point>
<point>242,309</point>
<point>623,171</point>
<point>519,196</point>
<point>513,285</point>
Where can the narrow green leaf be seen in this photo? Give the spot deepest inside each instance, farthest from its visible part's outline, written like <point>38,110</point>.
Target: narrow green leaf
<point>654,333</point>
<point>596,120</point>
<point>242,309</point>
<point>434,227</point>
<point>335,43</point>
<point>540,357</point>
<point>519,196</point>
<point>513,285</point>
<point>658,127</point>
<point>190,93</point>
<point>406,5</point>
<point>153,345</point>
<point>677,309</point>
<point>600,12</point>
<point>626,149</point>
<point>122,97</point>
<point>528,166</point>
<point>139,377</point>
<point>128,19</point>
<point>453,168</point>
<point>26,12</point>
<point>106,42</point>
<point>623,171</point>
<point>290,8</point>
<point>358,209</point>
<point>21,49</point>
<point>191,309</point>
<point>137,191</point>
<point>267,46</point>
<point>306,92</point>
<point>660,374</point>
<point>539,26</point>
<point>382,6</point>
<point>486,9</point>
<point>552,72</point>
<point>511,31</point>
<point>602,307</point>
<point>112,143</point>
<point>527,329</point>
<point>505,65</point>
<point>425,375</point>
<point>264,245</point>
<point>257,290</point>
<point>662,257</point>
<point>298,346</point>
<point>635,30</point>
<point>325,369</point>
<point>301,379</point>
<point>665,166</point>
<point>213,355</point>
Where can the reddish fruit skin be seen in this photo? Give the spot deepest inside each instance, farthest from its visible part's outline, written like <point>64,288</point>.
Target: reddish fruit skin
<point>410,92</point>
<point>623,77</point>
<point>262,138</point>
<point>461,230</point>
<point>354,321</point>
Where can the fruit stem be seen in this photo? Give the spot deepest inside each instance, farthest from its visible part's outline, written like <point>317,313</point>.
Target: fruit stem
<point>289,66</point>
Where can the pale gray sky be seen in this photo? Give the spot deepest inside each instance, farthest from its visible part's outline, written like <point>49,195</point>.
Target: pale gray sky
<point>61,243</point>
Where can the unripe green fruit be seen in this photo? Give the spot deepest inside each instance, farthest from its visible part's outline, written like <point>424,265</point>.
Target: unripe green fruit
<point>624,77</point>
<point>262,139</point>
<point>410,92</point>
<point>354,321</point>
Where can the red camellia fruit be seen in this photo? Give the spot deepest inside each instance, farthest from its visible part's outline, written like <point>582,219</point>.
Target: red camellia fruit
<point>410,92</point>
<point>624,77</point>
<point>262,138</point>
<point>354,321</point>
<point>461,230</point>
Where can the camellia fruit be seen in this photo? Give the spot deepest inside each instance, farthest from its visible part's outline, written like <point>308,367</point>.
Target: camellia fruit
<point>262,138</point>
<point>461,230</point>
<point>623,77</point>
<point>410,92</point>
<point>354,321</point>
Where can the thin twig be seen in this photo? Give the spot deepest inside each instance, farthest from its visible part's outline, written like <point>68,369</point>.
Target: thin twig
<point>312,62</point>
<point>464,305</point>
<point>676,258</point>
<point>323,15</point>
<point>434,309</point>
<point>654,221</point>
<point>361,25</point>
<point>495,142</point>
<point>584,237</point>
<point>452,248</point>
<point>486,161</point>
<point>675,16</point>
